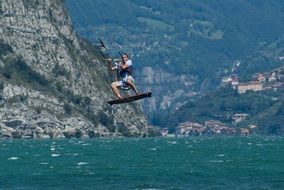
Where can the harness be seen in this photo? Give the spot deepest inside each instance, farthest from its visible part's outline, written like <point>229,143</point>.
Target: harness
<point>124,74</point>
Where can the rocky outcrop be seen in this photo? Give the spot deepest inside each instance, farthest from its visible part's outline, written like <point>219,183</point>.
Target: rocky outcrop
<point>53,84</point>
<point>165,84</point>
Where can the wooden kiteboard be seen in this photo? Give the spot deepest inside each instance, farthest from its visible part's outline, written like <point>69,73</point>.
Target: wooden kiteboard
<point>130,98</point>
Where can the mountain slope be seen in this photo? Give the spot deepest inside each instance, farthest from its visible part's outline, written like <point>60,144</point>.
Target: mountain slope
<point>53,84</point>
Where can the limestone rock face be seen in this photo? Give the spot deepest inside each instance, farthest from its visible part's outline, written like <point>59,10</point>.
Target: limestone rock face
<point>52,83</point>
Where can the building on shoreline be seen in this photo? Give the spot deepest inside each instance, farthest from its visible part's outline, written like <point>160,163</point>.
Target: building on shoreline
<point>210,128</point>
<point>238,117</point>
<point>189,128</point>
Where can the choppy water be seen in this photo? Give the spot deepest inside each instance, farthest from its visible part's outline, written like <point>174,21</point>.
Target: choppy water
<point>187,163</point>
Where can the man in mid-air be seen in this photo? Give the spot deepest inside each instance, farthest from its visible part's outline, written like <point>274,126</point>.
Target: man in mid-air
<point>125,72</point>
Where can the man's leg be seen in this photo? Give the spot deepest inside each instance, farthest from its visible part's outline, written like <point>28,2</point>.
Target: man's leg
<point>114,87</point>
<point>130,83</point>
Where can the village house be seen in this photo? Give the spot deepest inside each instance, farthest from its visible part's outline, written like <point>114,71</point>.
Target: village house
<point>226,81</point>
<point>244,131</point>
<point>189,128</point>
<point>238,117</point>
<point>235,81</point>
<point>252,126</point>
<point>272,77</point>
<point>250,86</point>
<point>261,78</point>
<point>217,127</point>
<point>164,132</point>
<point>232,80</point>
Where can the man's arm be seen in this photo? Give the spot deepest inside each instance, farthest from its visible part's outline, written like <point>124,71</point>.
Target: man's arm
<point>117,65</point>
<point>126,65</point>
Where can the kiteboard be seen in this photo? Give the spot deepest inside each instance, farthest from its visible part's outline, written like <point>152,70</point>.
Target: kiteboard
<point>130,98</point>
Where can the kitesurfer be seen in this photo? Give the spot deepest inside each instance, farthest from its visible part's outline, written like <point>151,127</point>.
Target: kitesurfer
<point>126,76</point>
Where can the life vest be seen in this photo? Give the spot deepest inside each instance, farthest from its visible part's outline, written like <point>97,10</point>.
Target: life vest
<point>128,71</point>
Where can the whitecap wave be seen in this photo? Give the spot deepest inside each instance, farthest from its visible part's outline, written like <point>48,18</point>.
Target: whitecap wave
<point>43,163</point>
<point>13,158</point>
<point>86,144</point>
<point>82,163</point>
<point>55,155</point>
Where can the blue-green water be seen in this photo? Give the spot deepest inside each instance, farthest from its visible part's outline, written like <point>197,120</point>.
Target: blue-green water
<point>186,163</point>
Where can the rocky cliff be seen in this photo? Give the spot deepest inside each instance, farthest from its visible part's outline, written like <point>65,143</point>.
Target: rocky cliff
<point>52,83</point>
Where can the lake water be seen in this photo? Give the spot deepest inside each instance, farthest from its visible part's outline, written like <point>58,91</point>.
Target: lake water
<point>154,163</point>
